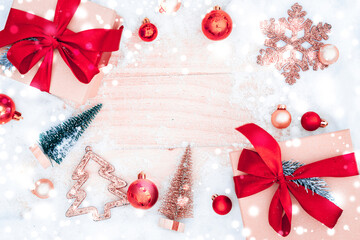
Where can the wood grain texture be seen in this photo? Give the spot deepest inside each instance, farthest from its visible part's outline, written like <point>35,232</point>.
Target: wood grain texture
<point>164,93</point>
<point>168,110</point>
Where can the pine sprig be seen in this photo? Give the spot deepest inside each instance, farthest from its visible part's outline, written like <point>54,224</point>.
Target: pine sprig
<point>57,141</point>
<point>4,61</point>
<point>315,184</point>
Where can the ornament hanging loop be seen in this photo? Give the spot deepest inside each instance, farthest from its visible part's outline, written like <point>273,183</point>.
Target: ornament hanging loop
<point>217,8</point>
<point>17,116</point>
<point>323,123</point>
<point>142,175</point>
<point>281,107</point>
<point>214,196</point>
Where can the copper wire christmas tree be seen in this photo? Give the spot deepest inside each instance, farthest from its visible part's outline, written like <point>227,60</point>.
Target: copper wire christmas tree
<point>81,176</point>
<point>178,201</point>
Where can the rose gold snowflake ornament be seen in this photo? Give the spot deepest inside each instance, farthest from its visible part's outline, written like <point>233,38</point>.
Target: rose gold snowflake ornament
<point>79,194</point>
<point>295,54</point>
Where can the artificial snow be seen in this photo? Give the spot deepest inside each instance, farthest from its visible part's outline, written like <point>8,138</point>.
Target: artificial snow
<point>333,92</point>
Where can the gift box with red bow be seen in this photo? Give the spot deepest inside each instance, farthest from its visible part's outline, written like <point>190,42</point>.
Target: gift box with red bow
<point>59,46</point>
<point>277,203</point>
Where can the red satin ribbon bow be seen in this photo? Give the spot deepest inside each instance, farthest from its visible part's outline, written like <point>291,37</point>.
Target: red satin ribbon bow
<point>264,168</point>
<point>80,51</point>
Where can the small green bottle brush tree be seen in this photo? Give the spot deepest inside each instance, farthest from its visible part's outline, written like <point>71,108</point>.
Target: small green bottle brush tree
<point>55,144</point>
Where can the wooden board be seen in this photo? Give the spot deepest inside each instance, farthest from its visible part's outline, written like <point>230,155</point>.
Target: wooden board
<point>165,98</point>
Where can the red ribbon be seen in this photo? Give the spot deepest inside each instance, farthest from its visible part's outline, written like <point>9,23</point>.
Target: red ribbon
<point>80,51</point>
<point>264,168</point>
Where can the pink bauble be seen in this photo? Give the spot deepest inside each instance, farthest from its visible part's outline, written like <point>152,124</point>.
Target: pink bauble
<point>281,118</point>
<point>142,193</point>
<point>328,54</point>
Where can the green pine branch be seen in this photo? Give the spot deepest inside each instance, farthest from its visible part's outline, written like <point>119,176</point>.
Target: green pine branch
<point>4,61</point>
<point>315,184</point>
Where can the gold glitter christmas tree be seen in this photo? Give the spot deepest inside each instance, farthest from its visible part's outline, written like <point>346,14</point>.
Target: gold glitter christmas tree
<point>178,201</point>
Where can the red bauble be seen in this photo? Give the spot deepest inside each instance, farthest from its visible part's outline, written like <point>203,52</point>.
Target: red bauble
<point>217,24</point>
<point>148,31</point>
<point>221,204</point>
<point>7,110</point>
<point>142,193</point>
<point>312,121</point>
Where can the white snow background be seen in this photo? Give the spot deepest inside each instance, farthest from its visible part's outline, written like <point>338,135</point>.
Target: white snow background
<point>334,93</point>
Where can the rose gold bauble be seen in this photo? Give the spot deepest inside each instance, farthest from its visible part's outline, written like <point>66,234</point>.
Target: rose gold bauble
<point>281,118</point>
<point>169,6</point>
<point>7,110</point>
<point>43,188</point>
<point>148,31</point>
<point>217,24</point>
<point>142,193</point>
<point>328,54</point>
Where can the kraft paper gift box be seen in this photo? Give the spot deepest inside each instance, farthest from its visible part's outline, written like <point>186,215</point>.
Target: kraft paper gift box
<point>64,84</point>
<point>346,191</point>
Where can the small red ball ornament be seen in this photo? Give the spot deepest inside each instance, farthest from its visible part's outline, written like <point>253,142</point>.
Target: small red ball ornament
<point>7,110</point>
<point>148,31</point>
<point>312,121</point>
<point>221,204</point>
<point>281,118</point>
<point>217,25</point>
<point>142,193</point>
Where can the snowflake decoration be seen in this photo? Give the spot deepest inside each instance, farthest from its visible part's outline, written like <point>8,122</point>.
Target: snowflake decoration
<point>295,46</point>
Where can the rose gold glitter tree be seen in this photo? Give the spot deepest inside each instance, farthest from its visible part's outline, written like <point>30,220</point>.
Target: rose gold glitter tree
<point>79,194</point>
<point>302,49</point>
<point>178,201</point>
